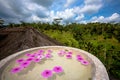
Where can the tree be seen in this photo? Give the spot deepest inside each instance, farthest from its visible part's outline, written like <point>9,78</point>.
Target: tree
<point>1,22</point>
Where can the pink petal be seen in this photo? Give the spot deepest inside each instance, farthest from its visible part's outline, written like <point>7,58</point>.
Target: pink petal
<point>68,56</point>
<point>58,69</point>
<point>48,56</point>
<point>79,59</point>
<point>84,62</point>
<point>20,60</point>
<point>16,70</point>
<point>70,53</point>
<point>37,60</point>
<point>30,59</point>
<point>28,54</point>
<point>46,73</point>
<point>25,64</point>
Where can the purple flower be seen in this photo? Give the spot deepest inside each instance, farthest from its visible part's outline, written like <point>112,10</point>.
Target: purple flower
<point>58,69</point>
<point>48,55</point>
<point>37,60</point>
<point>47,73</point>
<point>16,70</point>
<point>84,62</point>
<point>20,61</point>
<point>68,56</point>
<point>25,64</point>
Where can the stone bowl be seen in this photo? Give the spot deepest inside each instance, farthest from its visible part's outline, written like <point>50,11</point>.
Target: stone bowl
<point>72,68</point>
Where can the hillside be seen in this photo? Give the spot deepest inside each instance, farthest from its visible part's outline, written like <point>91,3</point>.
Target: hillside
<point>16,39</point>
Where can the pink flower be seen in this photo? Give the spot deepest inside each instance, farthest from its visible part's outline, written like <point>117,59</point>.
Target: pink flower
<point>70,53</point>
<point>41,51</point>
<point>78,56</point>
<point>48,55</point>
<point>33,55</point>
<point>40,56</point>
<point>16,70</point>
<point>61,53</point>
<point>47,73</point>
<point>58,69</point>
<point>68,56</point>
<point>84,62</point>
<point>79,59</point>
<point>49,51</point>
<point>28,54</point>
<point>25,64</point>
<point>37,60</point>
<point>30,59</point>
<point>20,61</point>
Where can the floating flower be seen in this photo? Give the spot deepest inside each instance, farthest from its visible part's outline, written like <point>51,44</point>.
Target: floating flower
<point>28,54</point>
<point>78,56</point>
<point>47,73</point>
<point>79,59</point>
<point>48,55</point>
<point>40,56</point>
<point>37,60</point>
<point>49,51</point>
<point>70,53</point>
<point>16,70</point>
<point>58,69</point>
<point>41,51</point>
<point>25,64</point>
<point>20,61</point>
<point>30,59</point>
<point>61,53</point>
<point>33,55</point>
<point>68,56</point>
<point>84,62</point>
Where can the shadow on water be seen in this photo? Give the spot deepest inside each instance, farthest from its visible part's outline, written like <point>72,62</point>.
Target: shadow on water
<point>55,75</point>
<point>60,74</point>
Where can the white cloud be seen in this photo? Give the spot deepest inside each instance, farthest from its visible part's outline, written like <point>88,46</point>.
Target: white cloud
<point>78,18</point>
<point>115,17</point>
<point>91,6</point>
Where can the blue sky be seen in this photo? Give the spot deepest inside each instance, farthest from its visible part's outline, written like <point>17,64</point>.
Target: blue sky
<point>80,11</point>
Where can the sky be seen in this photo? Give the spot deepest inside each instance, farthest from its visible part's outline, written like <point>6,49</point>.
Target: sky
<point>71,11</point>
